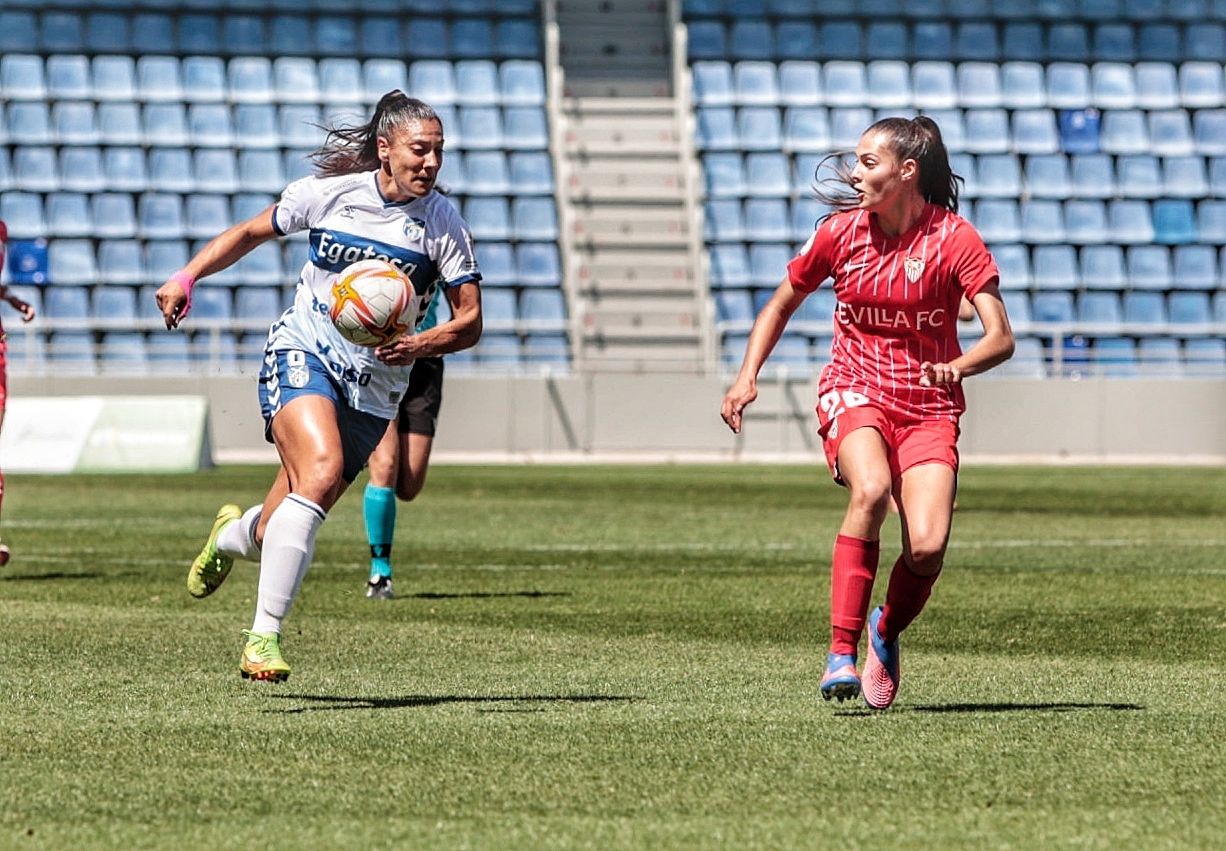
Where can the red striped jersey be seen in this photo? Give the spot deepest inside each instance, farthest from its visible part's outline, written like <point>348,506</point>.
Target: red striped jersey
<point>897,306</point>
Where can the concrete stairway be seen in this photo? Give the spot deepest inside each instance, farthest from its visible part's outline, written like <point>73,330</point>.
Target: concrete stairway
<point>626,176</point>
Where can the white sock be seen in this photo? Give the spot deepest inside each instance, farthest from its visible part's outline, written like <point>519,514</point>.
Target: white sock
<point>289,544</point>
<point>238,539</point>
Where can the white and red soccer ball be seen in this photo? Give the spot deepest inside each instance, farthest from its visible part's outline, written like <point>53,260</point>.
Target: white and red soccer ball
<point>373,303</point>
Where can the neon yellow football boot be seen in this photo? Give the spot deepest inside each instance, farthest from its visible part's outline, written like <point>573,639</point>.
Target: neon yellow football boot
<point>262,659</point>
<point>211,567</point>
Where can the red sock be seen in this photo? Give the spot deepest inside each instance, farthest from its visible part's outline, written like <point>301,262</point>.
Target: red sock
<point>904,599</point>
<point>853,568</point>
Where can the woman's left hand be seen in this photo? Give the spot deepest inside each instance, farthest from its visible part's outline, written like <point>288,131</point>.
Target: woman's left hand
<point>933,374</point>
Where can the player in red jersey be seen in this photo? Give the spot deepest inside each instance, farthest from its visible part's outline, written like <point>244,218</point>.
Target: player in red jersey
<point>27,313</point>
<point>891,397</point>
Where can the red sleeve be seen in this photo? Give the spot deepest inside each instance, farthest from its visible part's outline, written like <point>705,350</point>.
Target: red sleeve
<point>815,261</point>
<point>973,265</point>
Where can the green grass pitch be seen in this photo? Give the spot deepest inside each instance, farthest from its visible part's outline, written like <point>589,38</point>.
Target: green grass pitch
<point>618,657</point>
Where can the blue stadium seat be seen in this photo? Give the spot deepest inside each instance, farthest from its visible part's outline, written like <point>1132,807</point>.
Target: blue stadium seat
<point>1138,176</point>
<point>1184,177</point>
<point>1047,176</point>
<point>934,86</point>
<point>205,216</point>
<point>79,170</point>
<point>525,128</point>
<point>1042,221</point>
<point>987,131</point>
<point>979,84</point>
<point>295,79</point>
<point>1130,222</point>
<point>18,31</point>
<point>1055,267</point>
<point>29,123</point>
<point>846,83</point>
<point>542,309</point>
<point>497,263</point>
<point>768,262</point>
<point>1092,176</point>
<point>204,79</point>
<point>1200,85</point>
<point>886,40</point>
<point>1113,86</point>
<point>23,213</point>
<point>499,311</point>
<point>249,79</point>
<point>163,258</point>
<point>112,215</point>
<point>1034,132</point>
<point>298,125</point>
<point>516,38</point>
<point>1144,308</point>
<point>534,219</point>
<point>157,32</point>
<point>471,38</point>
<point>170,170</point>
<point>716,129</point>
<point>755,84</point>
<point>1211,222</point>
<point>71,352</point>
<point>71,261</point>
<point>531,172</point>
<point>759,128</point>
<point>805,214</point>
<point>243,35</point>
<point>1114,42</point>
<point>34,170</point>
<point>521,82</point>
<point>722,220</point>
<point>260,267</point>
<point>255,126</point>
<point>998,220</point>
<point>800,83</point>
<point>338,36</point>
<point>27,263</point>
<point>733,310</point>
<point>706,40</point>
<point>199,34</point>
<point>257,304</point>
<point>1054,307</point>
<point>117,304</point>
<point>1160,42</point>
<point>340,78</point>
<point>1100,309</point>
<point>1149,267</point>
<point>1115,357</point>
<point>120,262</point>
<point>767,174</point>
<point>847,124</point>
<point>729,265</point>
<point>841,39</point>
<point>1102,267</point>
<point>724,175</point>
<point>123,352</point>
<point>766,220</point>
<point>68,78</point>
<point>489,217</point>
<point>74,123</point>
<point>209,125</point>
<point>1023,41</point>
<point>546,348</point>
<point>1205,40</point>
<point>750,39</point>
<point>485,173</point>
<point>476,82</point>
<point>1157,87</point>
<point>1205,356</point>
<point>932,40</point>
<point>123,168</point>
<point>998,176</point>
<point>537,264</point>
<point>165,124</point>
<point>806,129</point>
<point>1013,260</point>
<point>796,40</point>
<point>1195,267</point>
<point>889,84</point>
<point>1174,221</point>
<point>1068,85</point>
<point>66,302</point>
<point>976,41</point>
<point>1170,132</point>
<point>68,215</point>
<point>1159,356</point>
<point>168,352</point>
<point>62,32</point>
<point>1188,307</point>
<point>1080,131</point>
<point>1209,132</point>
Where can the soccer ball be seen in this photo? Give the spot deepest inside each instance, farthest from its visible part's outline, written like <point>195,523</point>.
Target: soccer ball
<point>372,303</point>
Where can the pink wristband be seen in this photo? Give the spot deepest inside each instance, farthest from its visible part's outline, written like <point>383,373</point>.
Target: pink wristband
<point>184,280</point>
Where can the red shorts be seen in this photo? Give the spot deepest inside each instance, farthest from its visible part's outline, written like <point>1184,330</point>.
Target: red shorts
<point>908,442</point>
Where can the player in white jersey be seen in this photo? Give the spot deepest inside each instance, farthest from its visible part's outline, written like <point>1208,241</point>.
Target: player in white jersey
<point>327,402</point>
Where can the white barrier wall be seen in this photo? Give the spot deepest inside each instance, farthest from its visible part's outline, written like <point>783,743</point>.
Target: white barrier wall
<point>662,417</point>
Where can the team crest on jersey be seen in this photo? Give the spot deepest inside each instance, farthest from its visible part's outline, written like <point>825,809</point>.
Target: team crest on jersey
<point>414,229</point>
<point>914,267</point>
<point>298,375</point>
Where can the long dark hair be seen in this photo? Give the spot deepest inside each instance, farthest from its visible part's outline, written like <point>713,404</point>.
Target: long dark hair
<point>348,150</point>
<point>916,139</point>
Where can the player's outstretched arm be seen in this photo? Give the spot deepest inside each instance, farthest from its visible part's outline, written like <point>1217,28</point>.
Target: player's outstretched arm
<point>993,348</point>
<point>767,329</point>
<point>174,298</point>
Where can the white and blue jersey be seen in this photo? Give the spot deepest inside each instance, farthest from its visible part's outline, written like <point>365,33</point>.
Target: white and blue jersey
<point>348,219</point>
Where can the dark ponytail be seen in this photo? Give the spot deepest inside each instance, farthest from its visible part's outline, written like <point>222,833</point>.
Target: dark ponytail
<point>916,139</point>
<point>348,150</point>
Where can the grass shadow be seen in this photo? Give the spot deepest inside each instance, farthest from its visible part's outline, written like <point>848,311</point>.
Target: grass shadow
<point>973,708</point>
<point>513,703</point>
<point>482,595</point>
<point>56,575</point>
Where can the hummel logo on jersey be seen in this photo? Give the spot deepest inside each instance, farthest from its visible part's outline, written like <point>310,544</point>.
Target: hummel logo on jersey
<point>914,267</point>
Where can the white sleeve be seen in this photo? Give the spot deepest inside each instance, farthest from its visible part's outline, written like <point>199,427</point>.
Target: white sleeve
<point>299,204</point>
<point>453,254</point>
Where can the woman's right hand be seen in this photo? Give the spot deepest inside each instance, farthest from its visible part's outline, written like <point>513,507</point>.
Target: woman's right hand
<point>173,302</point>
<point>738,397</point>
